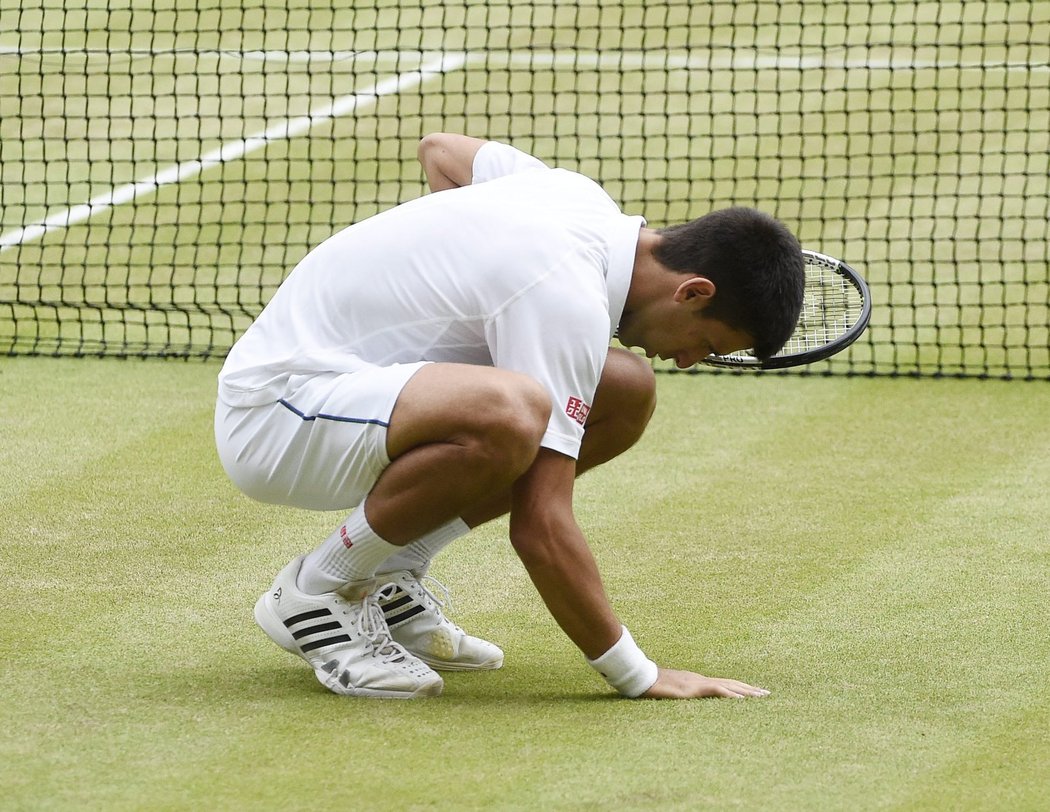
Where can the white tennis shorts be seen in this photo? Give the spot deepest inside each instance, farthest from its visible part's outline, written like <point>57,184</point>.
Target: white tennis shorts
<point>322,446</point>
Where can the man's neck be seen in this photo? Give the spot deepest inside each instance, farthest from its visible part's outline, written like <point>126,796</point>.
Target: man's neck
<point>649,279</point>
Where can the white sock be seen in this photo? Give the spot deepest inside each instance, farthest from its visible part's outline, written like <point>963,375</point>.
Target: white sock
<point>351,553</point>
<point>417,555</point>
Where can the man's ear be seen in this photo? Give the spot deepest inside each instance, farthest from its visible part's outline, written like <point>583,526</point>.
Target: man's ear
<point>697,291</point>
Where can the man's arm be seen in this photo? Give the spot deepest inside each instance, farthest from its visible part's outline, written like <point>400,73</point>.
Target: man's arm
<point>555,553</point>
<point>551,545</point>
<point>448,159</point>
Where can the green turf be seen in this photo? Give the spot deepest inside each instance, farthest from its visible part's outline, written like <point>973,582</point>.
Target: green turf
<point>873,552</point>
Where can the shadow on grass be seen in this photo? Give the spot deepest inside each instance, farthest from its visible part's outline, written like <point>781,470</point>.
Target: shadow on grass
<point>223,685</point>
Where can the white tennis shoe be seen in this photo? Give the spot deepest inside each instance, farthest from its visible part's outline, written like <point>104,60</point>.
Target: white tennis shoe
<point>344,637</point>
<point>416,621</point>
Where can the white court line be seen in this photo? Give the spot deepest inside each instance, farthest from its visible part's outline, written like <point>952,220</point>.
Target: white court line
<point>870,57</point>
<point>230,151</point>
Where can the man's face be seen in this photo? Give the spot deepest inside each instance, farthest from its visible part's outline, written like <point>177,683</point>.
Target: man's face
<point>688,344</point>
<point>677,330</point>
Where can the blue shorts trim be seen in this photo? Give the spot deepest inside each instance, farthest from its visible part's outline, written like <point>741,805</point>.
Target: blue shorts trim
<point>334,417</point>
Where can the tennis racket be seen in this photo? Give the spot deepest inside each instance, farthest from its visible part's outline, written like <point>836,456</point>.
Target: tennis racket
<point>836,308</point>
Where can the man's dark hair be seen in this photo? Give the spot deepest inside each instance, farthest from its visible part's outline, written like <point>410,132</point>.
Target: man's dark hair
<point>756,265</point>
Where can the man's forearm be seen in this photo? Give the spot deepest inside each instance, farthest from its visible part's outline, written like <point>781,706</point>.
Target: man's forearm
<point>556,555</point>
<point>566,576</point>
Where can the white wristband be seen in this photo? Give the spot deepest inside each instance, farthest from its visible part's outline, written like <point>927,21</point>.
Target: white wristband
<point>625,667</point>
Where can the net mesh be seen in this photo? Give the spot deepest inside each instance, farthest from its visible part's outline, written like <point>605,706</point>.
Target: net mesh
<point>163,169</point>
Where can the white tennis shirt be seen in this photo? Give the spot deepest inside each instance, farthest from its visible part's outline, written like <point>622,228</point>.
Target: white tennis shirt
<point>526,269</point>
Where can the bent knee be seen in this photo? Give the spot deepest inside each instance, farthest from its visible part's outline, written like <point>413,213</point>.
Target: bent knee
<point>514,421</point>
<point>628,385</point>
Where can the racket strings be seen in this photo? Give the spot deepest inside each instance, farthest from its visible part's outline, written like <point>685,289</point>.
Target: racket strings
<point>830,307</point>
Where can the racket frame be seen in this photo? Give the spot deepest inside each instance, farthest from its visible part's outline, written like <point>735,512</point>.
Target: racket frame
<point>743,360</point>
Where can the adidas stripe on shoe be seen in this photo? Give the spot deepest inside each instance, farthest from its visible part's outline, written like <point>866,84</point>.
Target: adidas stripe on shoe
<point>344,637</point>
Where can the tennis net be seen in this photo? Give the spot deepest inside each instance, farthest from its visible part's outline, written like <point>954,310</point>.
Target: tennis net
<point>162,170</point>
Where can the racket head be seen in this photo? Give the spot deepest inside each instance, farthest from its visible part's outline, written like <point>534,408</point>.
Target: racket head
<point>836,309</point>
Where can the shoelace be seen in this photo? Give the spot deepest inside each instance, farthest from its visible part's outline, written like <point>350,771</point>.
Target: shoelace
<point>371,623</point>
<point>444,604</point>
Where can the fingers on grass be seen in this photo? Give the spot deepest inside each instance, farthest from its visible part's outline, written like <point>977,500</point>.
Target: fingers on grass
<point>741,690</point>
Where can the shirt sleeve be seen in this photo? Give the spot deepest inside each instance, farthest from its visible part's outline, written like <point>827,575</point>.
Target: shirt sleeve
<point>494,160</point>
<point>561,339</point>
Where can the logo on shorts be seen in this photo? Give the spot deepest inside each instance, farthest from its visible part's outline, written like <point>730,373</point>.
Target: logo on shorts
<point>577,410</point>
<point>345,537</point>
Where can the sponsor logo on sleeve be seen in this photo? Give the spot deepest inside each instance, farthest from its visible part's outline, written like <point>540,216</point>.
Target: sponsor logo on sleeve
<point>577,410</point>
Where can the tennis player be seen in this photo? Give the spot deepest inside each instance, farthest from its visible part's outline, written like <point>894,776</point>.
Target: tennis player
<point>447,361</point>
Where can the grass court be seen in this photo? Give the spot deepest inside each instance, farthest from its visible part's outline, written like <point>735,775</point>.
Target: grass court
<point>872,551</point>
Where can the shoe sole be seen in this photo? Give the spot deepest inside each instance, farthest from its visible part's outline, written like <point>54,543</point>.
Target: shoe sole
<point>444,665</point>
<point>275,629</point>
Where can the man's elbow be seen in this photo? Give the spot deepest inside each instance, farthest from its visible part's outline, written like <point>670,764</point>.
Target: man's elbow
<point>441,150</point>
<point>438,159</point>
<point>429,146</point>
<point>448,159</point>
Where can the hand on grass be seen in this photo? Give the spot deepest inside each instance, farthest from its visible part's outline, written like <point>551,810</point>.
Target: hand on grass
<point>672,684</point>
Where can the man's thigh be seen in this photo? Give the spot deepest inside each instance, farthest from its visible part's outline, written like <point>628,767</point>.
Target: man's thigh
<point>449,402</point>
<point>322,446</point>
